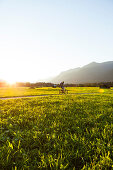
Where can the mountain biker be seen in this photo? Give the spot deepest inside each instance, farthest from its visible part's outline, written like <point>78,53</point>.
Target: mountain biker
<point>62,86</point>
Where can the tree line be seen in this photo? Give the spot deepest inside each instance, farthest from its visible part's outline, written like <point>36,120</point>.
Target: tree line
<point>44,84</point>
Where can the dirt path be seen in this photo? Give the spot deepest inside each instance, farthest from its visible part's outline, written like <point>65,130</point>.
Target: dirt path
<point>17,97</point>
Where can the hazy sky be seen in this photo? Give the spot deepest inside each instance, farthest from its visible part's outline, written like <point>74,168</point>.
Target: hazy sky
<point>41,38</point>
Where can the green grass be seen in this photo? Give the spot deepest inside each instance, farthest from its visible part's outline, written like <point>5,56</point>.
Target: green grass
<point>26,91</point>
<point>57,132</point>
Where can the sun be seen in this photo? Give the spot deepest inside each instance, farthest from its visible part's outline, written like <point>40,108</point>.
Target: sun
<point>11,81</point>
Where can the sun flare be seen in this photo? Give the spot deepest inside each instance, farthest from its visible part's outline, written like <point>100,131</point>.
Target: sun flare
<point>11,81</point>
<point>101,90</point>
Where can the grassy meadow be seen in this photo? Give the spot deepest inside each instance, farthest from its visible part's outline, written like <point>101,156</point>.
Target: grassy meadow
<point>56,132</point>
<point>26,91</point>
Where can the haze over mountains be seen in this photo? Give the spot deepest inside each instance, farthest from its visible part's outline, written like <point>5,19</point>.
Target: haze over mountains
<point>91,73</point>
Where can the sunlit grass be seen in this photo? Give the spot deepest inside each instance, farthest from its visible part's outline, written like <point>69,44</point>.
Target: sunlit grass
<point>57,132</point>
<point>26,91</point>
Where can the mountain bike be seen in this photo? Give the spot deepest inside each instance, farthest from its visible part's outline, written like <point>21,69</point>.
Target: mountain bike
<point>63,91</point>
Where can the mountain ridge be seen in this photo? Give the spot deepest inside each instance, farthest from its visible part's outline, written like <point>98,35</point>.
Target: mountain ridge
<point>91,73</point>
